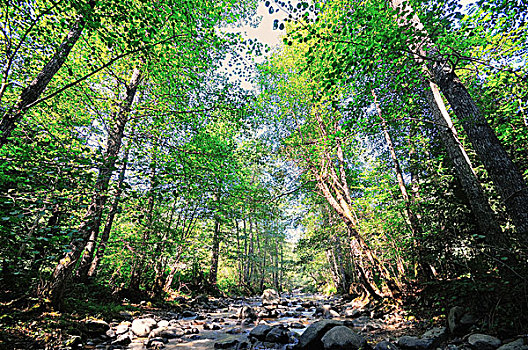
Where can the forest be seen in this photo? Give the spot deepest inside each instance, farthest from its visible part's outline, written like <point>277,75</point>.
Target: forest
<point>361,181</point>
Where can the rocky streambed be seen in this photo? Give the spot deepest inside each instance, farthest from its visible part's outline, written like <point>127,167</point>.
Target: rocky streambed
<point>292,321</point>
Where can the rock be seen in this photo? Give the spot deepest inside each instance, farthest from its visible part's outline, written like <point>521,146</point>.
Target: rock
<point>110,333</point>
<point>278,334</point>
<point>484,342</point>
<point>311,337</point>
<point>437,335</point>
<point>270,297</point>
<point>343,338</point>
<point>328,312</point>
<point>163,323</point>
<point>386,345</point>
<point>226,344</point>
<point>352,313</point>
<point>246,312</point>
<point>212,326</point>
<point>459,321</point>
<point>296,325</point>
<point>189,314</point>
<point>156,343</point>
<point>260,331</point>
<point>142,326</point>
<point>73,342</point>
<point>519,344</point>
<point>123,339</point>
<point>96,326</point>
<point>415,343</point>
<point>121,329</point>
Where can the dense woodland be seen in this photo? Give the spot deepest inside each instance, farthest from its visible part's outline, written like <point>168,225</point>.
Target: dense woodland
<point>380,151</point>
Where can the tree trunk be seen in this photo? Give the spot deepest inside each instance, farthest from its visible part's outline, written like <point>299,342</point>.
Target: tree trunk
<point>480,207</point>
<point>109,220</point>
<point>32,92</point>
<point>505,175</point>
<point>213,274</point>
<point>113,145</point>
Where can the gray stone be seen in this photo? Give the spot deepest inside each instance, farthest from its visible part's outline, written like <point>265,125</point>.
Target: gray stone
<point>386,345</point>
<point>519,344</point>
<point>226,344</point>
<point>270,297</point>
<point>156,343</point>
<point>484,342</point>
<point>311,337</point>
<point>260,331</point>
<point>343,338</point>
<point>96,326</point>
<point>437,335</point>
<point>278,334</point>
<point>189,314</point>
<point>459,321</point>
<point>415,343</point>
<point>123,339</point>
<point>142,326</point>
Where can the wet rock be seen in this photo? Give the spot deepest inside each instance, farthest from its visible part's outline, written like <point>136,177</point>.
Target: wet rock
<point>260,331</point>
<point>96,326</point>
<point>296,325</point>
<point>311,337</point>
<point>343,338</point>
<point>270,297</point>
<point>189,314</point>
<point>519,344</point>
<point>142,326</point>
<point>459,321</point>
<point>414,343</point>
<point>212,326</point>
<point>484,342</point>
<point>123,339</point>
<point>386,345</point>
<point>278,334</point>
<point>226,344</point>
<point>155,343</point>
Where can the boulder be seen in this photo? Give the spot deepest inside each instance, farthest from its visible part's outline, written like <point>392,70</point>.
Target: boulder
<point>260,332</point>
<point>270,297</point>
<point>414,343</point>
<point>123,339</point>
<point>189,314</point>
<point>142,326</point>
<point>163,323</point>
<point>226,344</point>
<point>121,329</point>
<point>484,342</point>
<point>386,345</point>
<point>278,334</point>
<point>459,321</point>
<point>437,335</point>
<point>343,338</point>
<point>96,326</point>
<point>519,344</point>
<point>311,337</point>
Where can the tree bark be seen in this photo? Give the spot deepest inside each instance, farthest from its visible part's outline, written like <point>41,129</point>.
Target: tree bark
<point>478,200</point>
<point>213,274</point>
<point>89,228</point>
<point>109,220</point>
<point>32,92</point>
<point>505,175</point>
<point>113,145</point>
